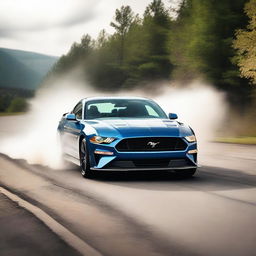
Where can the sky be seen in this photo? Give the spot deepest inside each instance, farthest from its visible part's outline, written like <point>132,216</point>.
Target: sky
<point>51,26</point>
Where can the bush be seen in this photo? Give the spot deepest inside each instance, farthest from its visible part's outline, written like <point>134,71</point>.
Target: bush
<point>18,105</point>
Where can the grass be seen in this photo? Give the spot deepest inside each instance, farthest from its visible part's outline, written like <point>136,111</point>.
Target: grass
<point>11,113</point>
<point>238,140</point>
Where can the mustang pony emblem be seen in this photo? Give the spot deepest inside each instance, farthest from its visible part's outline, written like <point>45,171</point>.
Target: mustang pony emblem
<point>152,144</point>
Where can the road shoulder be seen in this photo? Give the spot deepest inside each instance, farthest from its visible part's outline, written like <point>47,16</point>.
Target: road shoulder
<point>23,234</point>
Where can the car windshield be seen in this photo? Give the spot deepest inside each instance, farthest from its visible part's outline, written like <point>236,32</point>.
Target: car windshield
<point>123,108</point>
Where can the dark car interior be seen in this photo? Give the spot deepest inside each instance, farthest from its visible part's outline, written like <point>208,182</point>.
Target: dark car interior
<point>131,109</point>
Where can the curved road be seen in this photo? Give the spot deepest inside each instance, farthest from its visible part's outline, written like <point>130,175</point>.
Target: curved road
<point>213,213</point>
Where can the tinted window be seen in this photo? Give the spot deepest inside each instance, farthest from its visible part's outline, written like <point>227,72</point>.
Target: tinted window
<point>123,108</point>
<point>78,110</point>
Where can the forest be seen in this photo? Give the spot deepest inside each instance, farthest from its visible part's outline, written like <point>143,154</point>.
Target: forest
<point>211,40</point>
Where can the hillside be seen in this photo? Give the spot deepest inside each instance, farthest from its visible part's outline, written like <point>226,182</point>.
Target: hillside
<point>22,69</point>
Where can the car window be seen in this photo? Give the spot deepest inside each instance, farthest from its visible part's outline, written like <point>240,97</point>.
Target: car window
<point>151,111</point>
<point>104,107</point>
<point>78,110</point>
<point>123,108</point>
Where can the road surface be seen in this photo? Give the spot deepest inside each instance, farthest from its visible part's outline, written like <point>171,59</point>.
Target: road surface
<point>23,234</point>
<point>213,213</point>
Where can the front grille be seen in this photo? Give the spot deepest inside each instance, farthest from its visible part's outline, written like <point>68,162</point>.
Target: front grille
<point>151,144</point>
<point>149,163</point>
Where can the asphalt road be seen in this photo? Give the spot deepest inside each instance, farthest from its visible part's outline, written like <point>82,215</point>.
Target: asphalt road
<point>150,214</point>
<point>22,234</point>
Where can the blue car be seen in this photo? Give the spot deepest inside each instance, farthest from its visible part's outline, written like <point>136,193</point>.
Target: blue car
<point>126,134</point>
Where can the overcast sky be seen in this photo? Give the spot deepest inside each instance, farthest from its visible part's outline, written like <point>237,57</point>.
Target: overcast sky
<point>51,26</point>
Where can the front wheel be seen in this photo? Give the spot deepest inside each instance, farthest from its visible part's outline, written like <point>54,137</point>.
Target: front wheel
<point>84,161</point>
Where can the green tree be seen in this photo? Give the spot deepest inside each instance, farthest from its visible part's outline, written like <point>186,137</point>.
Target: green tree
<point>245,44</point>
<point>102,39</point>
<point>201,45</point>
<point>123,20</point>
<point>77,55</point>
<point>103,66</point>
<point>156,27</point>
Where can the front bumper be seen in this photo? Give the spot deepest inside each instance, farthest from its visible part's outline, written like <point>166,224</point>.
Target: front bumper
<point>128,161</point>
<point>145,169</point>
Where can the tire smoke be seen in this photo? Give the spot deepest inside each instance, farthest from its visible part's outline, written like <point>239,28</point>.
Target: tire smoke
<point>198,105</point>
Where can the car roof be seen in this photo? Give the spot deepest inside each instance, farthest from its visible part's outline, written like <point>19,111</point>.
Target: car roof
<point>114,98</point>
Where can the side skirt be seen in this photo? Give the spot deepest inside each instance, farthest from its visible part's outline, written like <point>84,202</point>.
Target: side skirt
<point>72,159</point>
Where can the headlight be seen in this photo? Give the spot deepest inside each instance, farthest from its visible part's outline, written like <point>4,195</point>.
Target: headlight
<point>191,138</point>
<point>100,140</point>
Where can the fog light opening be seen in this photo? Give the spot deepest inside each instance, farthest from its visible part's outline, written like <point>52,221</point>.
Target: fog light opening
<point>107,153</point>
<point>193,151</point>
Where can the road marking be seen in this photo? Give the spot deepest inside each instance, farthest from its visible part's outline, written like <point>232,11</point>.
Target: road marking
<point>70,238</point>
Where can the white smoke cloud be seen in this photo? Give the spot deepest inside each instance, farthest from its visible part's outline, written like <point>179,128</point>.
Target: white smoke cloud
<point>198,105</point>
<point>38,143</point>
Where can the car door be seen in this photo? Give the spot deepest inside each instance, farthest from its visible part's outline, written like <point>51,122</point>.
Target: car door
<point>72,131</point>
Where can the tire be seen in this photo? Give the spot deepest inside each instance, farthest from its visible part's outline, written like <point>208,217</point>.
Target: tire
<point>84,161</point>
<point>186,173</point>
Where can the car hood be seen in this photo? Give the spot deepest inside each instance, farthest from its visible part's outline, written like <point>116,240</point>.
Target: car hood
<point>138,127</point>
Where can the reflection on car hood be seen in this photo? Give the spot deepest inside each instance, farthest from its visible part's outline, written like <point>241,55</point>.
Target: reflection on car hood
<point>139,127</point>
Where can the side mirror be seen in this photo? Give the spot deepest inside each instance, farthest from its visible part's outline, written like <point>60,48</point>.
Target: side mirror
<point>71,117</point>
<point>173,116</point>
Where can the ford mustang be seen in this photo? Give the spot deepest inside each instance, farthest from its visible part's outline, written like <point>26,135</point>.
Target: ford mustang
<point>126,134</point>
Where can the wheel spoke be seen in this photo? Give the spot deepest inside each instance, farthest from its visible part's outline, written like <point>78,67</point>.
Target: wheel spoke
<point>85,169</point>
<point>82,148</point>
<point>83,155</point>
